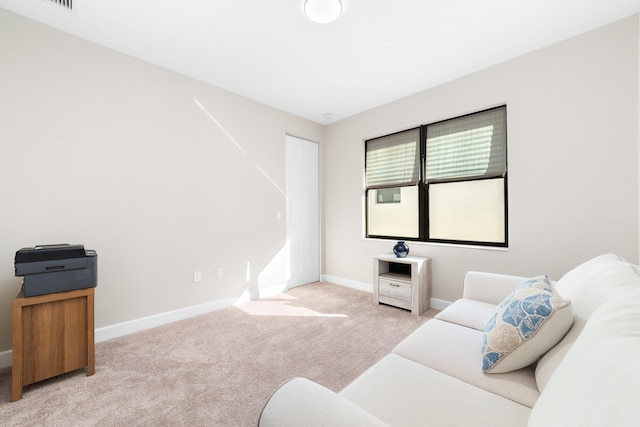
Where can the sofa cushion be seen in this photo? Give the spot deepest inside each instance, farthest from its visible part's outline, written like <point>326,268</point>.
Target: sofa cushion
<point>453,350</point>
<point>489,287</point>
<point>468,312</point>
<point>588,286</point>
<point>530,321</point>
<point>597,383</point>
<point>401,392</point>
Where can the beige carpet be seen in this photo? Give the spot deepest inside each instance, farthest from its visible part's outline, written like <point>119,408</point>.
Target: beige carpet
<point>219,368</point>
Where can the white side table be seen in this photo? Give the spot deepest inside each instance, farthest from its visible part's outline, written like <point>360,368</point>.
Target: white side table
<point>402,282</point>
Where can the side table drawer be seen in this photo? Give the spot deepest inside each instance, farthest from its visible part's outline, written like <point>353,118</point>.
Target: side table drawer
<point>395,292</point>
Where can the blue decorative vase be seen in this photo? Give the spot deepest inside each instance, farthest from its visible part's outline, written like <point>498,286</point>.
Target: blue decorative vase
<point>401,249</point>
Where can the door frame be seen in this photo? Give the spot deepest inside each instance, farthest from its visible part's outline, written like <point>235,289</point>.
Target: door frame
<point>292,173</point>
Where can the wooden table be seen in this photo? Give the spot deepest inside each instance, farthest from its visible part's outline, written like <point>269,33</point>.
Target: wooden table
<point>52,334</point>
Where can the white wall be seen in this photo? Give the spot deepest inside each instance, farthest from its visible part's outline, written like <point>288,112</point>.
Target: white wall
<point>572,155</point>
<point>162,175</point>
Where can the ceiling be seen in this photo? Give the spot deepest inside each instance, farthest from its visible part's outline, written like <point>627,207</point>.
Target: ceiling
<point>377,52</point>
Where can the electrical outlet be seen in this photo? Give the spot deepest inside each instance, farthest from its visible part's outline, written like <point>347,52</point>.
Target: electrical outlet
<point>197,276</point>
<point>219,272</point>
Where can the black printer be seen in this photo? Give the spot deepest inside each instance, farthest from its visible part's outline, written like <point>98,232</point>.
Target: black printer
<point>48,269</point>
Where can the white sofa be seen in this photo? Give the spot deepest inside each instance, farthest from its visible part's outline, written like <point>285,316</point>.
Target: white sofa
<point>435,377</point>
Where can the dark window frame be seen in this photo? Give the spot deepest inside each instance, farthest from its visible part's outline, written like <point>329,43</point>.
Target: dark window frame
<point>423,191</point>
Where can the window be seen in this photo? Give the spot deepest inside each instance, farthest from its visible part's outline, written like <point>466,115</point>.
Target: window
<point>442,182</point>
<point>392,164</point>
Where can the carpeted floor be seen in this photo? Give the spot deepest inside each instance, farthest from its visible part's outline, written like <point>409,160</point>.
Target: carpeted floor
<point>218,369</point>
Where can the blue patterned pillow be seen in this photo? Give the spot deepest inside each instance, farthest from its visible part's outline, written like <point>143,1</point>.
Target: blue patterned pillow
<point>531,320</point>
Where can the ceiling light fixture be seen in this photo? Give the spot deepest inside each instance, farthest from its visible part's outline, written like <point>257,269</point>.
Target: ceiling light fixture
<point>322,11</point>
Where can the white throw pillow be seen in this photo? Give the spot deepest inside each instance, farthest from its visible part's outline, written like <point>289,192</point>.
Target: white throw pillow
<point>530,320</point>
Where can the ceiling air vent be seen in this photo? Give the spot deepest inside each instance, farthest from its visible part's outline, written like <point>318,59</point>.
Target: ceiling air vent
<point>68,4</point>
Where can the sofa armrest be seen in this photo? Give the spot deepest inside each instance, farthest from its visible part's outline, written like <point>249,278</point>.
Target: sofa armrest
<point>491,288</point>
<point>301,402</point>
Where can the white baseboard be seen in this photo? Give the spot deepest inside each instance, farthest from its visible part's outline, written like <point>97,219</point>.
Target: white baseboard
<point>5,358</point>
<point>125,328</point>
<point>438,304</point>
<point>137,325</point>
<point>361,286</point>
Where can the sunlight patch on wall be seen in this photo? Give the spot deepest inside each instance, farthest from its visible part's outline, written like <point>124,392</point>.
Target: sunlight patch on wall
<point>270,180</point>
<point>237,144</point>
<point>217,123</point>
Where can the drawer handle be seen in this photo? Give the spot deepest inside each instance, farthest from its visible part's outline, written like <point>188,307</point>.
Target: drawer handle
<point>395,285</point>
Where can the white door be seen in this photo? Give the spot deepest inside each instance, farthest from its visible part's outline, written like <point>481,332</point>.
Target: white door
<point>302,211</point>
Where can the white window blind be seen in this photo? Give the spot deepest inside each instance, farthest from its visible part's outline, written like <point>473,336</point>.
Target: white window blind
<point>473,146</point>
<point>394,160</point>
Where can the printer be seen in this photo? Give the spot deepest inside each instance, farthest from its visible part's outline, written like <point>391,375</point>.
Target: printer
<point>48,269</point>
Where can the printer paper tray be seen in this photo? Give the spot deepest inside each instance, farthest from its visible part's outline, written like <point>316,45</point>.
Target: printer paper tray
<point>38,267</point>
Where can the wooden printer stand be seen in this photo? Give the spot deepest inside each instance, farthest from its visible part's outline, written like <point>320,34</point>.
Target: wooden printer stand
<point>52,334</point>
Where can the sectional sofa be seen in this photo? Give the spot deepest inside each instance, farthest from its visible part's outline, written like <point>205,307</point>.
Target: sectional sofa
<point>513,351</point>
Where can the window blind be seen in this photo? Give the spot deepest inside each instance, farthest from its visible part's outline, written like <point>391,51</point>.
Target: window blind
<point>473,146</point>
<point>394,160</point>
